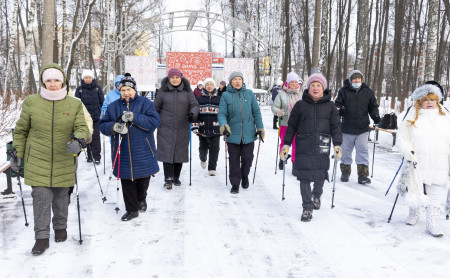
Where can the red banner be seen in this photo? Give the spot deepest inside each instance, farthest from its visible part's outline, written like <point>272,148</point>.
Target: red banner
<point>194,65</point>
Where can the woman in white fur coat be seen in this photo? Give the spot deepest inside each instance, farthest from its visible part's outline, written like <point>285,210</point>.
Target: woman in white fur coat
<point>424,140</point>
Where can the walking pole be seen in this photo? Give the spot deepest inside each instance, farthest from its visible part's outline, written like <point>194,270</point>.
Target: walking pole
<point>118,175</point>
<point>284,175</point>
<point>78,196</point>
<point>392,211</point>
<point>374,143</point>
<point>257,155</point>
<point>334,182</point>
<point>226,160</point>
<point>13,154</point>
<point>278,146</point>
<point>448,204</point>
<point>190,154</point>
<point>401,164</point>
<point>334,172</point>
<point>104,156</point>
<point>98,179</point>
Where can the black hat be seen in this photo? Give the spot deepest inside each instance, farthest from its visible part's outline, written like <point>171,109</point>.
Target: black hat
<point>128,81</point>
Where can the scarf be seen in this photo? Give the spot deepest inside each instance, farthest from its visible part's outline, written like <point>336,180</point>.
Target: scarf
<point>53,95</point>
<point>292,96</point>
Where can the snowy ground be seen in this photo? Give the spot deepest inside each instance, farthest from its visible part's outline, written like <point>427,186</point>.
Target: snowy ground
<point>204,231</point>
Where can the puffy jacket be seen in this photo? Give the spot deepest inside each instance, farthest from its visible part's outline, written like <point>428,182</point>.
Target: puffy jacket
<point>240,110</point>
<point>174,104</point>
<point>137,148</point>
<point>112,95</point>
<point>92,97</point>
<point>206,122</point>
<point>356,105</point>
<point>41,135</point>
<point>315,123</point>
<point>197,92</point>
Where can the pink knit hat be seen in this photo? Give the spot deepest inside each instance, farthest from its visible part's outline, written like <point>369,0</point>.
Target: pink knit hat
<point>317,77</point>
<point>173,72</point>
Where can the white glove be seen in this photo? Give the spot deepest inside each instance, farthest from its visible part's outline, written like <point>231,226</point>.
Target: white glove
<point>195,131</point>
<point>284,152</point>
<point>120,128</point>
<point>410,156</point>
<point>127,116</point>
<point>280,112</point>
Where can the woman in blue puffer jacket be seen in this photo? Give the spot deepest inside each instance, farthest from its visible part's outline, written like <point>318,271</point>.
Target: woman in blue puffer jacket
<point>131,122</point>
<point>240,122</point>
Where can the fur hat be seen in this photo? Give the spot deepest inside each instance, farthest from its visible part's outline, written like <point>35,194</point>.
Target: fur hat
<point>173,72</point>
<point>424,90</point>
<point>355,74</point>
<point>317,77</point>
<point>235,74</point>
<point>127,80</point>
<point>87,73</point>
<point>279,82</point>
<point>209,80</point>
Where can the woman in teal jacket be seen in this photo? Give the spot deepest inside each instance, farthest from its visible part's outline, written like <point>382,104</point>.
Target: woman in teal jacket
<point>240,122</point>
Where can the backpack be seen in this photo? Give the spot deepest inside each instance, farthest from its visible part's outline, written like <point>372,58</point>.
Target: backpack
<point>389,121</point>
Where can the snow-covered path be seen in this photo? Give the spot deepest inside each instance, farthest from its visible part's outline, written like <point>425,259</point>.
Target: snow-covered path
<point>204,231</point>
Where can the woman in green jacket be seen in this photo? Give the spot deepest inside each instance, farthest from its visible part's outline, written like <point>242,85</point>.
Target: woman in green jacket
<point>49,132</point>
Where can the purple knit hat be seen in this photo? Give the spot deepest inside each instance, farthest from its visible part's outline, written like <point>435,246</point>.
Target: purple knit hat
<point>317,77</point>
<point>173,72</point>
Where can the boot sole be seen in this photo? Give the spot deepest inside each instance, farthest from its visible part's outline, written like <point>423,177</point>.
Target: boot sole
<point>435,235</point>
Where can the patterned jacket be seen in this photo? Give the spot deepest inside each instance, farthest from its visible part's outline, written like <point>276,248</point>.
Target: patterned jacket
<point>207,122</point>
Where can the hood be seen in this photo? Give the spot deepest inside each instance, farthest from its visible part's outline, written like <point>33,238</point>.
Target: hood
<point>326,96</point>
<point>89,86</point>
<point>206,94</point>
<point>56,66</point>
<point>185,85</point>
<point>117,80</point>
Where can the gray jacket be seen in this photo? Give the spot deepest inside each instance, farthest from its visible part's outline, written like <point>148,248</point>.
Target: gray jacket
<point>174,106</point>
<point>281,102</point>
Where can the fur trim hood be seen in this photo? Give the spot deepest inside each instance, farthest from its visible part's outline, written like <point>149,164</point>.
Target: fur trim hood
<point>166,86</point>
<point>425,90</point>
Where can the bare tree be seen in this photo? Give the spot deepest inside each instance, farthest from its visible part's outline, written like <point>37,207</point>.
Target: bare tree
<point>433,25</point>
<point>316,37</point>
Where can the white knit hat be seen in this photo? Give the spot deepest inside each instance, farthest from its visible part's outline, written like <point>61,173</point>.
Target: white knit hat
<point>210,80</point>
<point>87,73</point>
<point>52,73</point>
<point>425,90</point>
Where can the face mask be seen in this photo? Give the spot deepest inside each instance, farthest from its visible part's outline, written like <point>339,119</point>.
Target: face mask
<point>356,85</point>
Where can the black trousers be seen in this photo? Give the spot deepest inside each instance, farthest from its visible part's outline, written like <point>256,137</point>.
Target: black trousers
<point>172,170</point>
<point>95,147</point>
<point>307,195</point>
<point>134,192</point>
<point>275,121</point>
<point>240,158</point>
<point>213,145</point>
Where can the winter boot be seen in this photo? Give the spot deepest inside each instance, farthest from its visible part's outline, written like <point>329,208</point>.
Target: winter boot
<point>346,170</point>
<point>130,215</point>
<point>234,189</point>
<point>413,216</point>
<point>306,215</point>
<point>60,235</point>
<point>280,164</point>
<point>177,182</point>
<point>316,201</point>
<point>363,173</point>
<point>433,227</point>
<point>168,183</point>
<point>245,182</point>
<point>212,172</point>
<point>40,246</point>
<point>203,164</point>
<point>143,206</point>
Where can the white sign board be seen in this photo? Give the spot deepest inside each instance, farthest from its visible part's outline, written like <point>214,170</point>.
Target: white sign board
<point>143,70</point>
<point>244,65</point>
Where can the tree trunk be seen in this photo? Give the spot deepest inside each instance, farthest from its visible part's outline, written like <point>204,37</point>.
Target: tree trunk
<point>48,31</point>
<point>287,42</point>
<point>316,37</point>
<point>362,36</point>
<point>27,86</point>
<point>323,57</point>
<point>12,40</point>
<point>433,25</point>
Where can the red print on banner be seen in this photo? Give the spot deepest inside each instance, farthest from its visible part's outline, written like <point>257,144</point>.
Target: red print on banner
<point>194,65</point>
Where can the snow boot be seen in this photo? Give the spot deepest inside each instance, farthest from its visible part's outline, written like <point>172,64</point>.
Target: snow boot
<point>168,184</point>
<point>234,189</point>
<point>346,171</point>
<point>143,206</point>
<point>212,172</point>
<point>306,215</point>
<point>433,227</point>
<point>40,246</point>
<point>280,164</point>
<point>316,201</point>
<point>177,182</point>
<point>203,164</point>
<point>245,182</point>
<point>413,216</point>
<point>89,160</point>
<point>363,173</point>
<point>60,235</point>
<point>130,215</point>
<point>97,161</point>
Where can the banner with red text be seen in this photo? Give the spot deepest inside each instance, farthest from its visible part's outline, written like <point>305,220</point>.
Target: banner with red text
<point>244,65</point>
<point>196,66</point>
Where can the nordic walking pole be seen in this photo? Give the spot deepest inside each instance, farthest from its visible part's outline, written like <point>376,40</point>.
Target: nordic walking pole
<point>104,157</point>
<point>257,155</point>
<point>284,175</point>
<point>278,146</point>
<point>393,207</point>
<point>118,175</point>
<point>374,144</point>
<point>334,182</point>
<point>78,196</point>
<point>398,170</point>
<point>226,160</point>
<point>334,171</point>
<point>13,154</point>
<point>448,204</point>
<point>190,154</point>
<point>98,179</point>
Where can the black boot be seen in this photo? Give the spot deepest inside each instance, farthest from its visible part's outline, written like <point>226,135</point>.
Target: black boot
<point>168,183</point>
<point>245,182</point>
<point>316,201</point>
<point>294,170</point>
<point>60,235</point>
<point>234,189</point>
<point>306,215</point>
<point>130,215</point>
<point>40,246</point>
<point>346,171</point>
<point>177,182</point>
<point>363,173</point>
<point>143,206</point>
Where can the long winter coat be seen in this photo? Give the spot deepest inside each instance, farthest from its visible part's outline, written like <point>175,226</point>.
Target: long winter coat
<point>356,105</point>
<point>206,122</point>
<point>137,149</point>
<point>41,135</point>
<point>315,123</point>
<point>430,141</point>
<point>92,97</point>
<point>174,104</point>
<point>240,110</point>
<point>281,102</point>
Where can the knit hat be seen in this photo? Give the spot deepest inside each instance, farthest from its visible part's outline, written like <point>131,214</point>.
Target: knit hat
<point>200,83</point>
<point>52,73</point>
<point>292,76</point>
<point>235,74</point>
<point>87,73</point>
<point>223,83</point>
<point>355,74</point>
<point>210,80</point>
<point>55,67</point>
<point>128,81</point>
<point>425,90</point>
<point>317,77</point>
<point>173,72</point>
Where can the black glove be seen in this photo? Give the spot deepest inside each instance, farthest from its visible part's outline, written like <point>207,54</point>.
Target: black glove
<point>342,111</point>
<point>376,120</point>
<point>260,132</point>
<point>192,117</point>
<point>14,161</point>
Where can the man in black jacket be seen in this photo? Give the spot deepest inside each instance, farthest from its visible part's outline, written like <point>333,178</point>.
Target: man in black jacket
<point>92,97</point>
<point>356,101</point>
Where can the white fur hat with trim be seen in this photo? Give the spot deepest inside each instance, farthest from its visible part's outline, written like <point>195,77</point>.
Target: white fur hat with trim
<point>424,90</point>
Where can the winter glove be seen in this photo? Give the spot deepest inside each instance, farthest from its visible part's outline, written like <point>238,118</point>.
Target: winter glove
<point>284,152</point>
<point>120,128</point>
<point>376,120</point>
<point>260,132</point>
<point>192,117</point>
<point>280,112</point>
<point>225,130</point>
<point>342,111</point>
<point>410,156</point>
<point>337,153</point>
<point>195,131</point>
<point>127,116</point>
<point>75,144</point>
